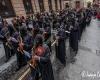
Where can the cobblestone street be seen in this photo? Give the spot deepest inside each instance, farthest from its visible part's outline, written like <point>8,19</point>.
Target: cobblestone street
<point>87,59</point>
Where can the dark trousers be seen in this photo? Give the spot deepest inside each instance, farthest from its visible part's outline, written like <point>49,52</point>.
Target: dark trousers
<point>20,59</point>
<point>34,73</point>
<point>7,52</point>
<point>73,40</point>
<point>61,52</point>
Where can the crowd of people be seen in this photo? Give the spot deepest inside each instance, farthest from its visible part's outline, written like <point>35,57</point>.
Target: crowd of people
<point>30,38</point>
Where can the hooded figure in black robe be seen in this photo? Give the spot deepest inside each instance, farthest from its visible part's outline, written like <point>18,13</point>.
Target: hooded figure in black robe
<point>61,49</point>
<point>74,35</point>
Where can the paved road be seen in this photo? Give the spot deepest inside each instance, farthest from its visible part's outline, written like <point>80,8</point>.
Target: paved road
<point>88,57</point>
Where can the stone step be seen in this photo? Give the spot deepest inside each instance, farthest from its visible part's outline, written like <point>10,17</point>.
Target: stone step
<point>8,69</point>
<point>2,54</point>
<point>21,74</point>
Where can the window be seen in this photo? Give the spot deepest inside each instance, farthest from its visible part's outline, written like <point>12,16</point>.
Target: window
<point>28,6</point>
<point>67,5</point>
<point>77,4</point>
<point>41,5</point>
<point>89,4</point>
<point>60,4</point>
<point>56,6</point>
<point>50,5</point>
<point>6,9</point>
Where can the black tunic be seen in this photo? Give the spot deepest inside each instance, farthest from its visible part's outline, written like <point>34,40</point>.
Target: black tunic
<point>74,35</point>
<point>61,49</point>
<point>45,65</point>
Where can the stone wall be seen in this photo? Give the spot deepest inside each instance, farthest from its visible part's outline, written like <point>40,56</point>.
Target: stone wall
<point>53,4</point>
<point>74,5</point>
<point>18,7</point>
<point>46,6</point>
<point>8,69</point>
<point>37,8</point>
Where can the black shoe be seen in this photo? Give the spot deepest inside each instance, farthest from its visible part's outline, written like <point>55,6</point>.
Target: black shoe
<point>6,60</point>
<point>17,69</point>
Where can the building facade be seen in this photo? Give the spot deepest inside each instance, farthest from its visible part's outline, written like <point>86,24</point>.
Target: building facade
<point>96,3</point>
<point>76,3</point>
<point>11,8</point>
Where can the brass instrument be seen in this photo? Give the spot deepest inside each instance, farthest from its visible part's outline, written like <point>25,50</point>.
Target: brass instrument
<point>20,48</point>
<point>55,41</point>
<point>8,43</point>
<point>33,62</point>
<point>56,38</point>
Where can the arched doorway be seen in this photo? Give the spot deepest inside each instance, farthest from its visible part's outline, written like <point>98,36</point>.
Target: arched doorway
<point>28,6</point>
<point>41,5</point>
<point>50,5</point>
<point>6,9</point>
<point>56,6</point>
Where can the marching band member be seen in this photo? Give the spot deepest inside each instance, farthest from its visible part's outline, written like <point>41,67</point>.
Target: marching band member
<point>5,35</point>
<point>42,57</point>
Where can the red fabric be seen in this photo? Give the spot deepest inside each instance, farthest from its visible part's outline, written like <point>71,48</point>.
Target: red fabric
<point>39,51</point>
<point>98,15</point>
